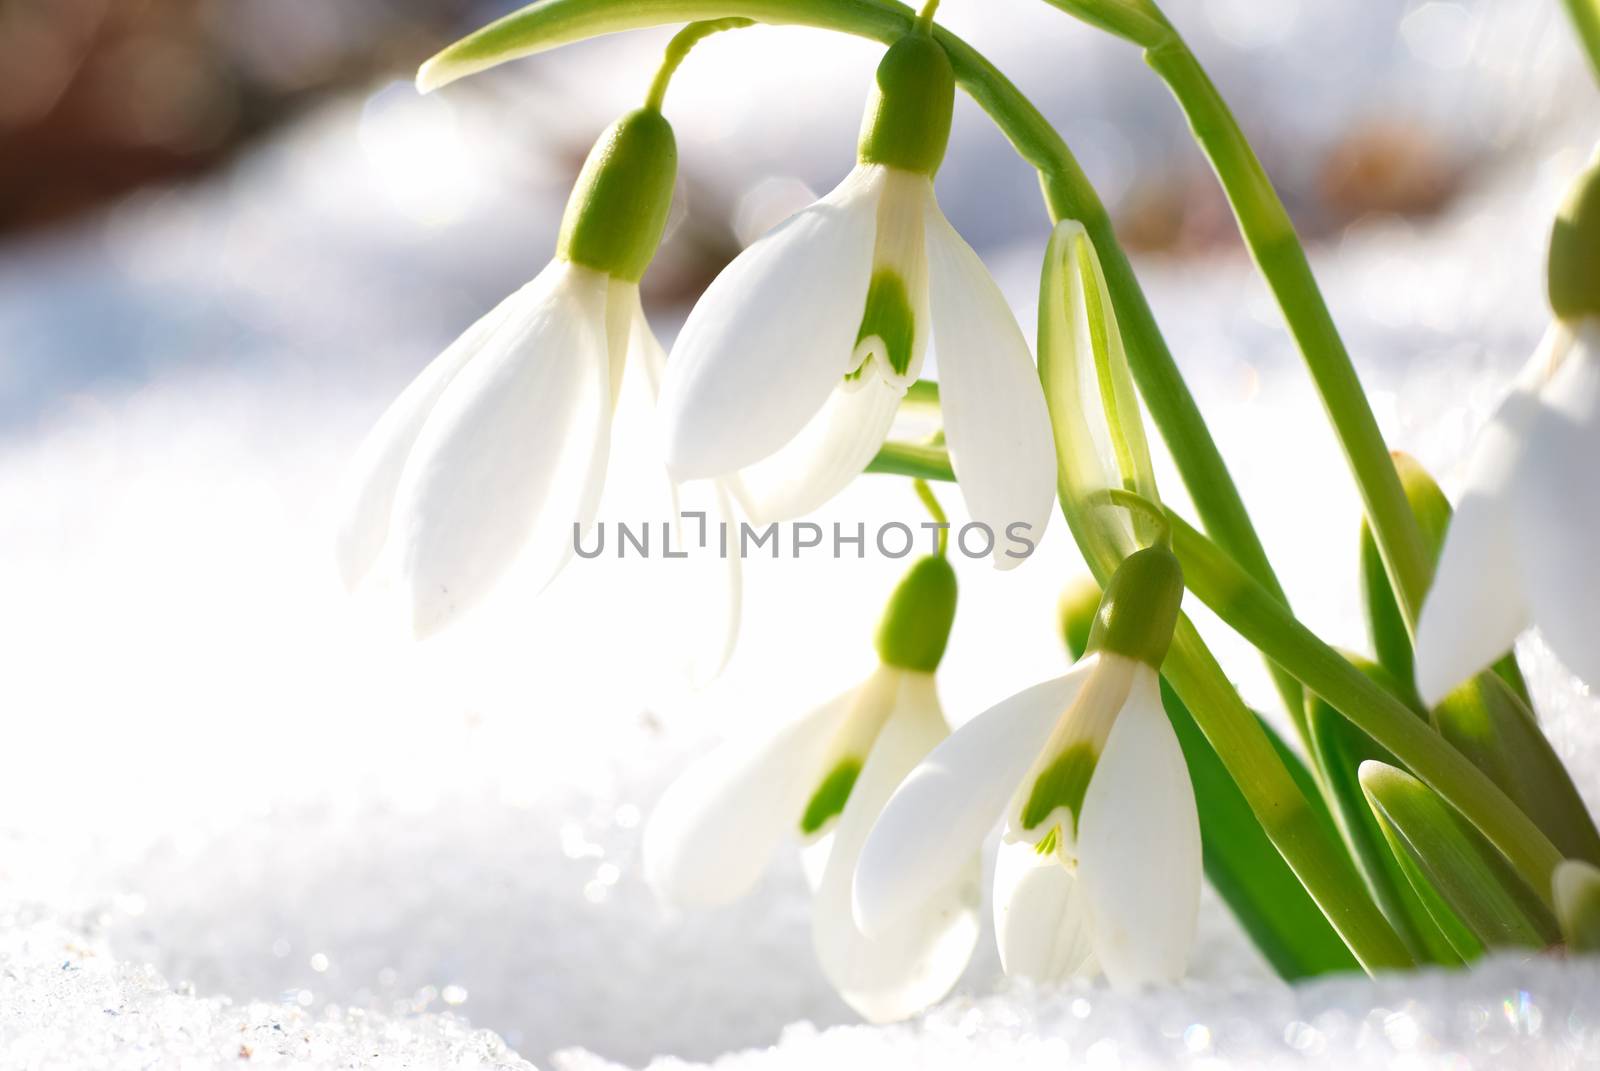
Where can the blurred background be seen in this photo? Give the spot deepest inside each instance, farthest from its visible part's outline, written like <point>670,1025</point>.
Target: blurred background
<point>231,231</point>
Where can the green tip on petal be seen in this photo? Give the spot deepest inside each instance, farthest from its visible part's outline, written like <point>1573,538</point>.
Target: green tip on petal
<point>1140,607</point>
<point>916,623</point>
<point>1061,786</point>
<point>1575,250</point>
<point>907,123</point>
<point>1577,894</point>
<point>890,317</point>
<point>1080,602</point>
<point>828,801</point>
<point>618,208</point>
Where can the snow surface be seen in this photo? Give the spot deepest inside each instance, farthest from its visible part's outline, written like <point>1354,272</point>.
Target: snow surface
<point>341,846</point>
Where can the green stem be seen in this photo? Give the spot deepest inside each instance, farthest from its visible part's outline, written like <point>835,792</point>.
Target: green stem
<point>1253,613</point>
<point>1270,236</point>
<point>931,502</point>
<point>915,460</point>
<point>1586,18</point>
<point>1137,503</point>
<point>678,48</point>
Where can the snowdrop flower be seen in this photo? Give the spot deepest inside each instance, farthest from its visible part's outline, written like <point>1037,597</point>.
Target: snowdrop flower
<point>1100,865</point>
<point>790,368</point>
<point>499,448</point>
<point>1520,550</point>
<point>823,779</point>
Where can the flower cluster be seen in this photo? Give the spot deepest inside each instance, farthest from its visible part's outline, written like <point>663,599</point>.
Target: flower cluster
<point>784,384</point>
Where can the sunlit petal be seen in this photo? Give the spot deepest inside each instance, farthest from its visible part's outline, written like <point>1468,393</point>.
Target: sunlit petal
<point>1476,605</point>
<point>772,335</point>
<point>1139,847</point>
<point>1558,522</point>
<point>953,798</point>
<point>831,451</point>
<point>375,470</point>
<point>714,831</point>
<point>1039,920</point>
<point>513,453</point>
<point>912,963</point>
<point>995,419</point>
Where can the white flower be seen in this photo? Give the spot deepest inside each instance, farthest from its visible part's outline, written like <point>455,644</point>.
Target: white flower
<point>790,368</point>
<point>823,779</point>
<point>499,448</point>
<point>1100,865</point>
<point>1520,549</point>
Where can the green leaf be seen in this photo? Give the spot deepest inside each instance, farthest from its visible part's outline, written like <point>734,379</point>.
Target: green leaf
<point>1468,874</point>
<point>1339,748</point>
<point>1244,867</point>
<point>1489,724</point>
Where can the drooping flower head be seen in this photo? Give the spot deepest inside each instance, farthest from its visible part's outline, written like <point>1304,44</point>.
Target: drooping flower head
<point>497,452</point>
<point>788,371</point>
<point>1100,865</point>
<point>1520,548</point>
<point>822,780</point>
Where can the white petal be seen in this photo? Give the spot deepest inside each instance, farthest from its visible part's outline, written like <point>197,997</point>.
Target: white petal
<point>914,962</point>
<point>1559,516</point>
<point>772,335</point>
<point>1139,847</point>
<point>375,470</point>
<point>715,829</point>
<point>513,453</point>
<point>995,419</point>
<point>831,451</point>
<point>953,798</point>
<point>1476,605</point>
<point>1040,923</point>
<point>697,599</point>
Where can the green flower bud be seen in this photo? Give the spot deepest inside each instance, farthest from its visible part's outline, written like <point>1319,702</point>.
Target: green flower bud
<point>916,623</point>
<point>618,209</point>
<point>1577,894</point>
<point>1080,602</point>
<point>907,122</point>
<point>1140,607</point>
<point>1575,250</point>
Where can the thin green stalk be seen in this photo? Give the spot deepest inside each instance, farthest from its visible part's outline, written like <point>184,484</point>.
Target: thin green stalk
<point>914,460</point>
<point>1586,18</point>
<point>1270,236</point>
<point>1249,610</point>
<point>930,502</point>
<point>678,49</point>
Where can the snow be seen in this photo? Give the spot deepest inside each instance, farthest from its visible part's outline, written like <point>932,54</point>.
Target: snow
<point>341,848</point>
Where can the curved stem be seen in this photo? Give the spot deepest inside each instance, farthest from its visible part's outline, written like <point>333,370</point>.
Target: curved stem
<point>678,48</point>
<point>1137,503</point>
